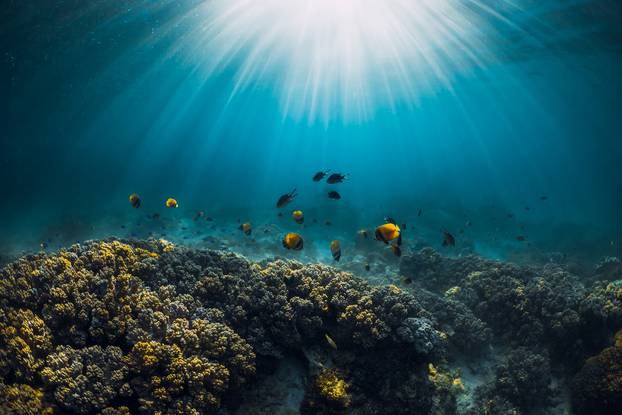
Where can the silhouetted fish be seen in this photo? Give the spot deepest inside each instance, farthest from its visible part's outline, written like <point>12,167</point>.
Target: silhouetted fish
<point>334,195</point>
<point>286,198</point>
<point>320,175</point>
<point>336,178</point>
<point>448,239</point>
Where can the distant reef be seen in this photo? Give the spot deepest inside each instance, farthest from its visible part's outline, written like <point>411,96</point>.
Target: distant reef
<point>121,327</point>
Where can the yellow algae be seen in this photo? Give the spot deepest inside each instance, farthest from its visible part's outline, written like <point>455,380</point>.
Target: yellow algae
<point>332,387</point>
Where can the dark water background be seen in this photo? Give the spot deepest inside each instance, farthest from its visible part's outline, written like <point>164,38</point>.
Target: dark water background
<point>100,99</point>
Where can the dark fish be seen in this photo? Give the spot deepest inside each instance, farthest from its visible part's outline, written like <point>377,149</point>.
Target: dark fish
<point>314,220</point>
<point>448,239</point>
<point>543,197</point>
<point>134,200</point>
<point>122,226</point>
<point>364,233</point>
<point>527,208</point>
<point>510,215</point>
<point>520,238</point>
<point>336,178</point>
<point>367,267</point>
<point>198,216</point>
<point>468,223</point>
<point>389,219</point>
<point>286,198</point>
<point>328,223</point>
<point>334,195</point>
<point>420,212</point>
<point>43,245</point>
<point>155,216</point>
<point>403,225</point>
<point>396,250</point>
<point>280,214</point>
<point>209,219</point>
<point>320,175</point>
<point>407,280</point>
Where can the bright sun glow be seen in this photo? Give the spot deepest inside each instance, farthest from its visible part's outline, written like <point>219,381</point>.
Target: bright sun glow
<point>329,59</point>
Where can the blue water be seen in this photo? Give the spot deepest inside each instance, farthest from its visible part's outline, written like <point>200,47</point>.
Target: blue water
<point>101,99</point>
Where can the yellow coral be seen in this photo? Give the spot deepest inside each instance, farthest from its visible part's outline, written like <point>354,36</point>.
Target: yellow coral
<point>333,388</point>
<point>452,291</point>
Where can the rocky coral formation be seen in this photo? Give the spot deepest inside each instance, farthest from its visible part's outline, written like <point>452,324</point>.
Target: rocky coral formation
<point>118,327</point>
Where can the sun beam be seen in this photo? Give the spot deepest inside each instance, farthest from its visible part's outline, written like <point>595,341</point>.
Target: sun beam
<point>336,59</point>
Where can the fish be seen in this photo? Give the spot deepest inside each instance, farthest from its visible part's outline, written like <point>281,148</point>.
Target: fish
<point>336,178</point>
<point>543,197</point>
<point>43,245</point>
<point>171,203</point>
<point>363,233</point>
<point>280,214</point>
<point>407,280</point>
<point>209,219</point>
<point>286,198</point>
<point>389,232</point>
<point>468,223</point>
<point>520,238</point>
<point>134,200</point>
<point>293,241</point>
<point>527,208</point>
<point>320,175</point>
<point>334,195</point>
<point>389,219</point>
<point>298,216</point>
<point>420,212</point>
<point>328,223</point>
<point>448,239</point>
<point>246,228</point>
<point>403,225</point>
<point>396,250</point>
<point>335,249</point>
<point>198,216</point>
<point>330,341</point>
<point>155,216</point>
<point>367,267</point>
<point>510,215</point>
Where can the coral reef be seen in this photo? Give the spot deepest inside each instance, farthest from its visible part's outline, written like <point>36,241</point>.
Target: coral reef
<point>120,327</point>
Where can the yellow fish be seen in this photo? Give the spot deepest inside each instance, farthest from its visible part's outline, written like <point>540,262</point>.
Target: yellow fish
<point>330,341</point>
<point>135,200</point>
<point>298,216</point>
<point>246,228</point>
<point>335,249</point>
<point>389,232</point>
<point>293,241</point>
<point>171,203</point>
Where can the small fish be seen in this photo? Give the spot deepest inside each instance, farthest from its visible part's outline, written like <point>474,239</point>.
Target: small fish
<point>134,200</point>
<point>403,225</point>
<point>363,233</point>
<point>330,341</point>
<point>468,223</point>
<point>389,219</point>
<point>314,220</point>
<point>527,208</point>
<point>198,216</point>
<point>280,214</point>
<point>122,226</point>
<point>155,216</point>
<point>334,195</point>
<point>389,232</point>
<point>448,239</point>
<point>335,249</point>
<point>209,219</point>
<point>543,197</point>
<point>336,178</point>
<point>367,267</point>
<point>246,228</point>
<point>293,241</point>
<point>286,198</point>
<point>407,280</point>
<point>171,203</point>
<point>510,215</point>
<point>298,216</point>
<point>520,238</point>
<point>328,223</point>
<point>320,175</point>
<point>420,212</point>
<point>43,245</point>
<point>396,250</point>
